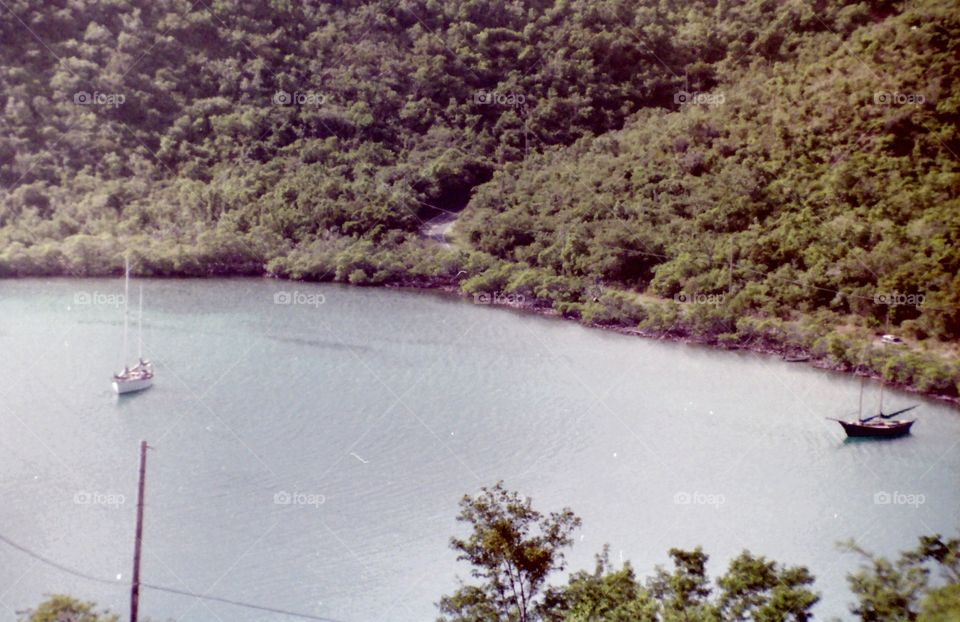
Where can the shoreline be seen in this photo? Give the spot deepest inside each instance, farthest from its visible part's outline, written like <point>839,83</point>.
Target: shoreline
<point>771,349</point>
<point>449,287</point>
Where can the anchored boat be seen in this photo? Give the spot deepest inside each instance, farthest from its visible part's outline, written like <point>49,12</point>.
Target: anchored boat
<point>878,429</point>
<point>879,425</point>
<point>140,376</point>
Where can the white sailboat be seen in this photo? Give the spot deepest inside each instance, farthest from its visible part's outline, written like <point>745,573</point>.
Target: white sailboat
<point>140,376</point>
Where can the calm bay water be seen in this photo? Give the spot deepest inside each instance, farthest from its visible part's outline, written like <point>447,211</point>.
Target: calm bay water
<point>310,456</point>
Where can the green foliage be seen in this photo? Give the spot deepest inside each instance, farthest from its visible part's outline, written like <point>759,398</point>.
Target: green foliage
<point>304,119</point>
<point>615,308</point>
<point>757,589</point>
<point>507,557</point>
<point>797,161</point>
<point>941,604</point>
<point>889,591</point>
<point>817,178</point>
<point>684,593</point>
<point>494,279</point>
<point>512,549</point>
<point>605,594</point>
<point>61,608</point>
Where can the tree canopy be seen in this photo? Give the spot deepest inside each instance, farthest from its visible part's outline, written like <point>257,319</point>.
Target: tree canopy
<point>752,588</point>
<point>740,172</point>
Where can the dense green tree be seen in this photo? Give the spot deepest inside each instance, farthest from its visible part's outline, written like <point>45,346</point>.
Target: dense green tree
<point>61,608</point>
<point>606,594</point>
<point>513,562</point>
<point>512,549</point>
<point>757,589</point>
<point>684,593</point>
<point>941,604</point>
<point>889,591</point>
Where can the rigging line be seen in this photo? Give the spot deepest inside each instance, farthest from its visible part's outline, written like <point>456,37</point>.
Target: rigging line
<point>159,588</point>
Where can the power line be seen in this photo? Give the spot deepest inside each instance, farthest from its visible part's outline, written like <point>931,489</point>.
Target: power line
<point>238,603</point>
<point>56,565</point>
<point>159,588</point>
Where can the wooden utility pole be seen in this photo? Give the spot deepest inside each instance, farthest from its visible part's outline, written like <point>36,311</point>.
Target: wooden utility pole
<point>135,585</point>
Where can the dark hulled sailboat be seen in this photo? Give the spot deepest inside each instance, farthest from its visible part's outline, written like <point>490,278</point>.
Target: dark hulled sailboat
<point>878,429</point>
<point>879,425</point>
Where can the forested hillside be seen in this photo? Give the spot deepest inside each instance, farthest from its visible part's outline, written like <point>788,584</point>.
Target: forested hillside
<point>773,173</point>
<point>284,122</point>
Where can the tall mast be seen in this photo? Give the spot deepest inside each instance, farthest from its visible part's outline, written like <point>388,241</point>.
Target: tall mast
<point>882,382</point>
<point>860,405</point>
<point>140,327</point>
<point>126,305</point>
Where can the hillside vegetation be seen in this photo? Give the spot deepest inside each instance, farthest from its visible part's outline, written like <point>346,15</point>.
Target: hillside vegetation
<point>774,174</point>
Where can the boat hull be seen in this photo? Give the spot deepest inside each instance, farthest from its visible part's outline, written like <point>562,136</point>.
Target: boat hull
<point>131,385</point>
<point>886,430</point>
